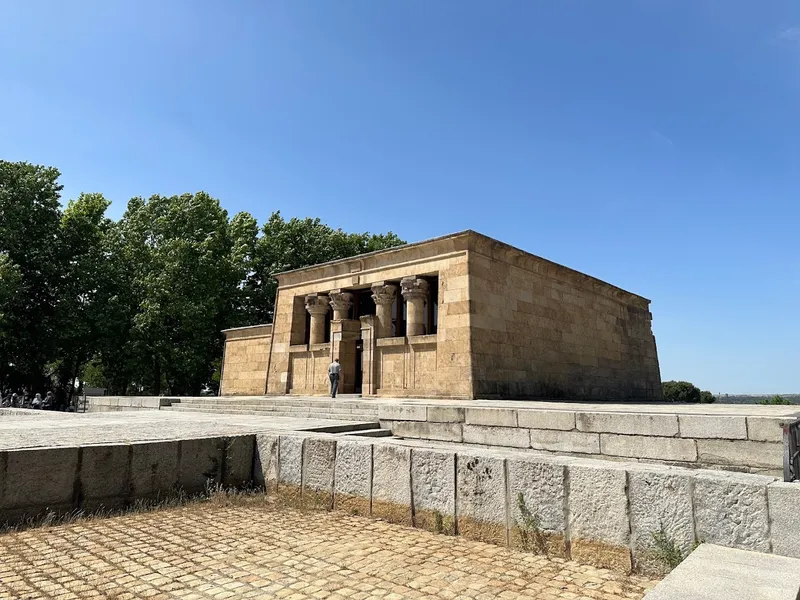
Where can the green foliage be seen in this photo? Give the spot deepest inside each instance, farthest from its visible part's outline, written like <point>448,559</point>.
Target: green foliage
<point>707,397</point>
<point>776,400</point>
<point>138,305</point>
<point>294,244</point>
<point>530,528</point>
<point>683,391</point>
<point>680,391</point>
<point>665,550</point>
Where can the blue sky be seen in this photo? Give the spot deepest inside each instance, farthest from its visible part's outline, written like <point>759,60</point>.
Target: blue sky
<point>652,143</point>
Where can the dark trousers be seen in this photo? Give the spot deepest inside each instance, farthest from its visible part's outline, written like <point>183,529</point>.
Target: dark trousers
<point>334,384</point>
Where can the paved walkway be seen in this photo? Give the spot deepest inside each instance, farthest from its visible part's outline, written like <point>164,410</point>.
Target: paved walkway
<point>253,551</point>
<point>36,429</point>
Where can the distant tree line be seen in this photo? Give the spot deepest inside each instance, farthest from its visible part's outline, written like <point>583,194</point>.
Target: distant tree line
<point>137,305</point>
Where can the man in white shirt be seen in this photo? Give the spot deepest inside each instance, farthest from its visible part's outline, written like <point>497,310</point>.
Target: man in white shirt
<point>333,374</point>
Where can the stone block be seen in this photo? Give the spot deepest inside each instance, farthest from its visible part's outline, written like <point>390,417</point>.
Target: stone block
<point>546,419</point>
<point>628,423</point>
<point>496,417</point>
<point>598,515</point>
<point>290,469</point>
<point>481,498</point>
<point>657,448</point>
<point>443,432</point>
<point>713,426</point>
<point>391,483</point>
<point>238,460</point>
<point>731,510</point>
<point>433,484</point>
<point>353,477</point>
<point>105,476</point>
<point>784,514</point>
<point>660,503</point>
<point>200,464</point>
<point>42,478</point>
<point>536,493</point>
<point>154,468</point>
<point>402,412</point>
<point>445,414</point>
<point>319,464</point>
<point>766,429</point>
<point>265,463</point>
<point>513,437</point>
<point>717,573</point>
<point>740,453</point>
<point>565,441</point>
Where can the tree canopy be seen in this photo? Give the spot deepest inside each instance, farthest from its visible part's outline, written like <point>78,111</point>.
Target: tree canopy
<point>137,305</point>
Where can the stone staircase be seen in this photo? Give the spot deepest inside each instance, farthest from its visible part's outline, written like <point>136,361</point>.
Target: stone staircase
<point>343,408</point>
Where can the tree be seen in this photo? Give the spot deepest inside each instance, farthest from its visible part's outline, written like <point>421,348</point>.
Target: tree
<point>30,214</point>
<point>707,397</point>
<point>680,391</point>
<point>185,271</point>
<point>287,245</point>
<point>84,289</point>
<point>683,391</point>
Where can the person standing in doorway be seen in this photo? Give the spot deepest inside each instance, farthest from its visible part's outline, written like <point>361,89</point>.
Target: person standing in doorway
<point>333,374</point>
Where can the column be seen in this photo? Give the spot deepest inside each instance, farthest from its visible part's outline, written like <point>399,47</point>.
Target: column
<point>415,292</point>
<point>341,303</point>
<point>383,294</point>
<point>317,306</point>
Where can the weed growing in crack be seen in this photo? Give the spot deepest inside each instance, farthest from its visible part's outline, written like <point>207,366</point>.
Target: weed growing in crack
<point>530,528</point>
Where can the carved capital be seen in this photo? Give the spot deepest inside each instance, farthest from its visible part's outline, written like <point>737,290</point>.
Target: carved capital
<point>384,293</point>
<point>414,288</point>
<point>340,301</point>
<point>317,304</point>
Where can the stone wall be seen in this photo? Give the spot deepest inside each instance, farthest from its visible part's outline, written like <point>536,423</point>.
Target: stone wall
<point>595,511</point>
<point>752,444</point>
<point>36,481</point>
<point>450,354</point>
<point>308,369</point>
<point>541,330</point>
<point>244,370</point>
<point>126,403</point>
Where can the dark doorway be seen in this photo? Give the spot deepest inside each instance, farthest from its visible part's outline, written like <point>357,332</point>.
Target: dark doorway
<point>359,380</point>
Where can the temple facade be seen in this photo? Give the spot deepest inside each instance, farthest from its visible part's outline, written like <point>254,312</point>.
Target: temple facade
<point>462,316</point>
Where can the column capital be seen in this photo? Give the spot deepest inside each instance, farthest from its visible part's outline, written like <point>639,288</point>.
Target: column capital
<point>384,293</point>
<point>317,304</point>
<point>414,288</point>
<point>340,301</point>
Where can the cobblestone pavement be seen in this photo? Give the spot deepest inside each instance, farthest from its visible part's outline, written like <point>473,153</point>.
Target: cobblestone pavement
<point>254,551</point>
<point>35,429</point>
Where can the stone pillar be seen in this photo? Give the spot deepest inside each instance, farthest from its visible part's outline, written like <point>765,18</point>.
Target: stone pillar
<point>415,291</point>
<point>317,306</point>
<point>383,295</point>
<point>341,303</point>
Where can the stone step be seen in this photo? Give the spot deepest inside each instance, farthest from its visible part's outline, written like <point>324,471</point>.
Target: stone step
<point>267,403</point>
<point>373,433</point>
<point>320,414</point>
<point>348,428</point>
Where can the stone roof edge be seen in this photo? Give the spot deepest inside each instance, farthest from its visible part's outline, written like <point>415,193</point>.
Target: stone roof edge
<point>377,252</point>
<point>246,327</point>
<point>559,266</point>
<point>462,233</point>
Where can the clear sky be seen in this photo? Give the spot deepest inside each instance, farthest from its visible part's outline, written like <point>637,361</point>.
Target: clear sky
<point>652,143</point>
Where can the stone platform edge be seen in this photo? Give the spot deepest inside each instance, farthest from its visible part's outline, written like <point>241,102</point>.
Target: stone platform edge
<point>594,511</point>
<point>748,443</point>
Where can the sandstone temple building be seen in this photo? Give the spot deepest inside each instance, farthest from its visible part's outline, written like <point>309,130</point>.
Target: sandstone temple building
<point>460,316</point>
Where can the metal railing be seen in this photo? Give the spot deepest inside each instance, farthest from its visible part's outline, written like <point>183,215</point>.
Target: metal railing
<point>791,451</point>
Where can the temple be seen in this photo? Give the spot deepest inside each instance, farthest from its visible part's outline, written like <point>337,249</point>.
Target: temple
<point>461,316</point>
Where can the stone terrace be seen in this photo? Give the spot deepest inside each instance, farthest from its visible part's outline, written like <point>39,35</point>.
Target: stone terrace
<point>35,429</point>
